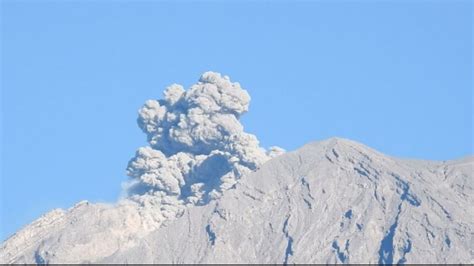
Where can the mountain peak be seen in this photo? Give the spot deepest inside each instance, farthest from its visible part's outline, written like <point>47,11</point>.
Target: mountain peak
<point>332,201</point>
<point>343,144</point>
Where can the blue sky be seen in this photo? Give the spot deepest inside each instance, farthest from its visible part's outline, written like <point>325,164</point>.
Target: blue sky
<point>396,76</point>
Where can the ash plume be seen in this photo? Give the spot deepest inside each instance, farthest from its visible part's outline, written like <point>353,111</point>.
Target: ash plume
<point>197,146</point>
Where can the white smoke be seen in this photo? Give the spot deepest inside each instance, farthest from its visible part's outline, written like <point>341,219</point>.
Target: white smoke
<point>198,148</point>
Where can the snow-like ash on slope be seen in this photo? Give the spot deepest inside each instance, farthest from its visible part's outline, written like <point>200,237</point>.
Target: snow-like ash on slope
<point>198,147</point>
<point>334,201</point>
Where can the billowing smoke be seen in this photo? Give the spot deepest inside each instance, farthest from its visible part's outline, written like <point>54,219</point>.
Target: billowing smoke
<point>198,148</point>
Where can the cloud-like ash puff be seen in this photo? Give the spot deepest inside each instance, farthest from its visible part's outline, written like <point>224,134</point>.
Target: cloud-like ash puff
<point>198,148</point>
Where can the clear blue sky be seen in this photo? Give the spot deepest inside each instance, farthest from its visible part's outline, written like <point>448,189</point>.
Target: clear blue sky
<point>395,76</point>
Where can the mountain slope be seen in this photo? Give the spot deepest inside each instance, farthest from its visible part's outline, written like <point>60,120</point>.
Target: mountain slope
<point>334,201</point>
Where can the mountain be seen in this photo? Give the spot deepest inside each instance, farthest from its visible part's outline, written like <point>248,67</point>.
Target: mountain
<point>334,201</point>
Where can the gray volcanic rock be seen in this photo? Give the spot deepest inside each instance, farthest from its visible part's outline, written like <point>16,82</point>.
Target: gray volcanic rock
<point>334,201</point>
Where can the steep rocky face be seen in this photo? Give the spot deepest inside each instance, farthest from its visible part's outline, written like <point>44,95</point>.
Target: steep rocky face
<point>334,201</point>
